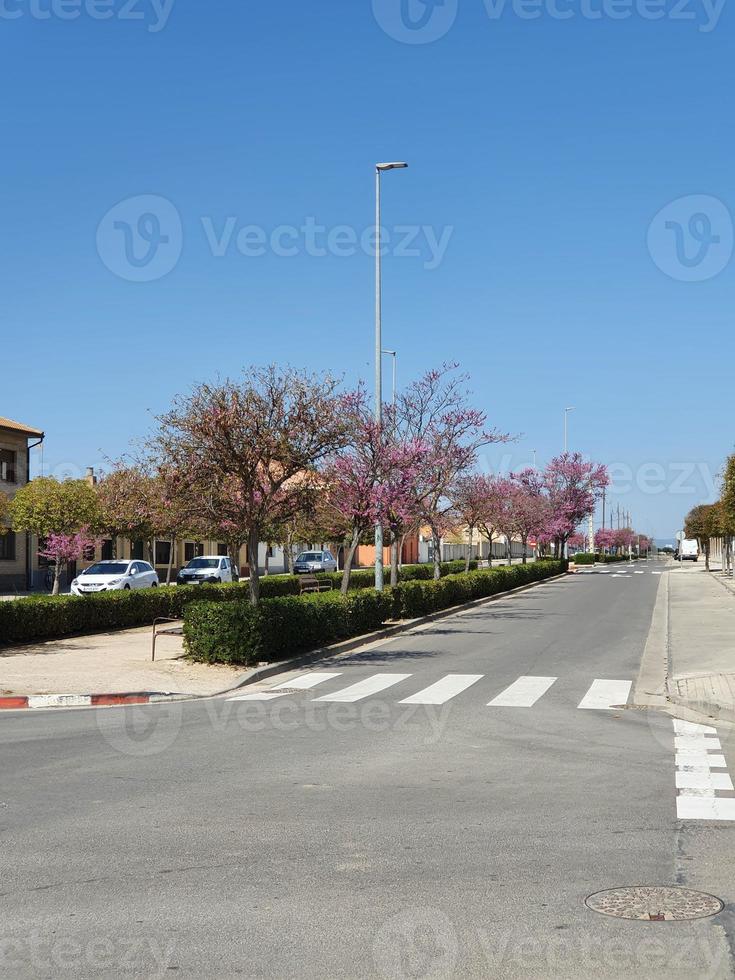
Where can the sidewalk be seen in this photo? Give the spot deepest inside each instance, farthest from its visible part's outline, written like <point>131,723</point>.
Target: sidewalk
<point>701,640</point>
<point>117,662</point>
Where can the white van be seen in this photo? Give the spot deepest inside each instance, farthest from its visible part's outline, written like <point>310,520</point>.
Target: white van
<point>207,568</point>
<point>688,550</point>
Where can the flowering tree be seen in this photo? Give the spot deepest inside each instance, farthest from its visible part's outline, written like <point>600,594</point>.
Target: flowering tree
<point>572,486</point>
<point>604,539</point>
<point>46,507</point>
<point>62,549</point>
<point>576,541</point>
<point>530,506</point>
<point>258,436</point>
<point>470,498</point>
<point>4,511</point>
<point>434,412</point>
<point>373,481</point>
<point>126,498</point>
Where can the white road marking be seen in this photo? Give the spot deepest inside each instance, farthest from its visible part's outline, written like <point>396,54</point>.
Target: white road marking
<point>303,683</point>
<point>363,689</point>
<point>703,780</point>
<point>444,689</point>
<point>696,743</point>
<point>700,760</point>
<point>605,695</point>
<point>705,808</point>
<point>639,573</point>
<point>307,681</point>
<point>523,693</point>
<point>690,728</point>
<point>696,784</point>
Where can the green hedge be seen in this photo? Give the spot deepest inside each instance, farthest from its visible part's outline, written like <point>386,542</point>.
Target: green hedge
<point>239,634</point>
<point>45,617</point>
<point>584,558</point>
<point>216,632</point>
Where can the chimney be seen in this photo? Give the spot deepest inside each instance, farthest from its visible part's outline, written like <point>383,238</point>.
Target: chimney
<point>90,477</point>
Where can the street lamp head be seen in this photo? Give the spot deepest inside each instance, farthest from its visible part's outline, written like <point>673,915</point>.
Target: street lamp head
<point>569,408</point>
<point>384,351</point>
<point>390,166</point>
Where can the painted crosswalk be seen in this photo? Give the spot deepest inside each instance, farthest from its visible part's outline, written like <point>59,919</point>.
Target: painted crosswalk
<point>444,689</point>
<point>524,692</point>
<point>606,695</point>
<point>701,773</point>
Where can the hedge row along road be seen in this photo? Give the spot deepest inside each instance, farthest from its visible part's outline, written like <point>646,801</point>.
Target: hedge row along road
<point>45,617</point>
<point>238,633</point>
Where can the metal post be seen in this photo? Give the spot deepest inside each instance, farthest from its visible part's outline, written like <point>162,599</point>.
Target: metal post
<point>378,369</point>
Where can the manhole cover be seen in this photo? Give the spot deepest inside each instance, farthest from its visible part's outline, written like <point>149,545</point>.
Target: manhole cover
<point>654,904</point>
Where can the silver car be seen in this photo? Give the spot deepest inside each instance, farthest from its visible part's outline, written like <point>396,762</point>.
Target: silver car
<point>314,561</point>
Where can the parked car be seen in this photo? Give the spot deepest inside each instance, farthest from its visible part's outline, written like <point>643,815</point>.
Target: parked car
<point>208,568</point>
<point>688,550</point>
<point>314,561</point>
<point>110,576</point>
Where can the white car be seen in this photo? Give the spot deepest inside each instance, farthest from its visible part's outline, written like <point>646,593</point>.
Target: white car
<point>207,568</point>
<point>110,576</point>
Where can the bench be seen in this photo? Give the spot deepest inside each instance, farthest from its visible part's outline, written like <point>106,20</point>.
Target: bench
<point>169,631</point>
<point>310,583</point>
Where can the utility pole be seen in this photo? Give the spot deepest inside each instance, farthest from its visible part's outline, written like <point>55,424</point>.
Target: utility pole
<point>380,168</point>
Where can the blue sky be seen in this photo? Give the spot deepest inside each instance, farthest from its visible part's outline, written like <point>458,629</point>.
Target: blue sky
<point>541,149</point>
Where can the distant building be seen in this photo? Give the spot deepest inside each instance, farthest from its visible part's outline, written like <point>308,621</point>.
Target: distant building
<point>18,560</point>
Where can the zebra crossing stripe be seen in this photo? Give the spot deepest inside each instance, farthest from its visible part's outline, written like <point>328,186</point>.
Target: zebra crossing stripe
<point>605,695</point>
<point>363,689</point>
<point>696,783</point>
<point>448,687</point>
<point>303,683</point>
<point>523,693</point>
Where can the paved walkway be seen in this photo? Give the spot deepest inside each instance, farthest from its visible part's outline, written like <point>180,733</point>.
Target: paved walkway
<point>701,634</point>
<point>109,663</point>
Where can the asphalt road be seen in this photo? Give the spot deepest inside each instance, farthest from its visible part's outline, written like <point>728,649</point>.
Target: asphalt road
<point>365,837</point>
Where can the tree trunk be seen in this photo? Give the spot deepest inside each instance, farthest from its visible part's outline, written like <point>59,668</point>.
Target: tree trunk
<point>253,542</point>
<point>151,555</point>
<point>508,550</point>
<point>172,545</point>
<point>287,553</point>
<point>524,542</point>
<point>394,562</point>
<point>470,531</point>
<point>400,550</point>
<point>706,555</point>
<point>436,541</point>
<point>490,550</point>
<point>349,555</point>
<point>57,577</point>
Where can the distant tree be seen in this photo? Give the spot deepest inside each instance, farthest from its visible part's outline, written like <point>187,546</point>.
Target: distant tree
<point>127,497</point>
<point>4,512</point>
<point>469,496</point>
<point>530,506</point>
<point>573,487</point>
<point>46,507</point>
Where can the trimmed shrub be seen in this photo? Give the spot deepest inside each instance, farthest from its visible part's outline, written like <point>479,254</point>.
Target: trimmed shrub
<point>238,634</point>
<point>413,599</point>
<point>584,558</point>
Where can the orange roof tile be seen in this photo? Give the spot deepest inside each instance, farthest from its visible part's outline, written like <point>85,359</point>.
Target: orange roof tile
<point>19,427</point>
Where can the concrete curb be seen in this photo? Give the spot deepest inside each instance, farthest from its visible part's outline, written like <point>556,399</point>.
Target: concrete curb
<point>15,702</point>
<point>258,673</point>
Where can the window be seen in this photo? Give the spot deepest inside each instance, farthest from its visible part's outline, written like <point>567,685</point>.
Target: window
<point>137,549</point>
<point>221,549</point>
<point>7,546</point>
<point>163,552</point>
<point>107,551</point>
<point>7,466</point>
<point>192,550</point>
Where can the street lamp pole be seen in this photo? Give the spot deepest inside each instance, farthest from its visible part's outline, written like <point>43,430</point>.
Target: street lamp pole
<point>566,426</point>
<point>393,355</point>
<point>379,168</point>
